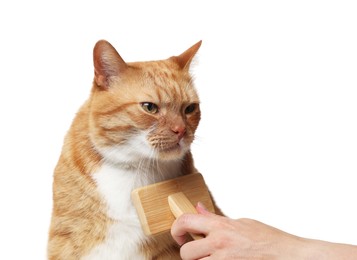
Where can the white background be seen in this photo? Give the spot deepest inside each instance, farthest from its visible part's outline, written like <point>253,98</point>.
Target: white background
<point>277,81</point>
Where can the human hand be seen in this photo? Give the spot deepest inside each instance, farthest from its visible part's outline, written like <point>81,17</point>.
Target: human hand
<point>226,238</point>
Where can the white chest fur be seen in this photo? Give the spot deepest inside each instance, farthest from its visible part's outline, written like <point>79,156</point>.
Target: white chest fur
<point>115,185</point>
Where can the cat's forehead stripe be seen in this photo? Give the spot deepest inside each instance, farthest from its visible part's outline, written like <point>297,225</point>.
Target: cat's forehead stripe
<point>163,78</point>
<point>114,110</point>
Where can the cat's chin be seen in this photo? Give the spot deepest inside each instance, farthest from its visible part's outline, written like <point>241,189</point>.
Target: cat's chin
<point>175,152</point>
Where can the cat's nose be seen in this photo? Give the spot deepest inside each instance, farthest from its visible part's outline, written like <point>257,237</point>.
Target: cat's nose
<point>179,131</point>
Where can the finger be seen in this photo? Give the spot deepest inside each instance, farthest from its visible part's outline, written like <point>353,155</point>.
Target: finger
<point>197,249</point>
<point>201,223</point>
<point>179,236</point>
<point>190,223</point>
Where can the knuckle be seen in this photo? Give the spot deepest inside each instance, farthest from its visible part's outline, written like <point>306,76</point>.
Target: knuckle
<point>247,221</point>
<point>219,243</point>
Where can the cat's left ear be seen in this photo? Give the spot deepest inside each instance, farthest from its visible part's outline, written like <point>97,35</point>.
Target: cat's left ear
<point>184,59</point>
<point>107,63</point>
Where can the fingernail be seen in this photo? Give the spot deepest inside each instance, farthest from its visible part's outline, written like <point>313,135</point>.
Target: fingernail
<point>201,207</point>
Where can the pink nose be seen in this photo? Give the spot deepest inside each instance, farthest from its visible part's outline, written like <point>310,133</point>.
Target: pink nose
<point>179,130</point>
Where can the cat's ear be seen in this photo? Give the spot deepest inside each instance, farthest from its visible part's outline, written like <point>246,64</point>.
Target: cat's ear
<point>107,63</point>
<point>184,59</point>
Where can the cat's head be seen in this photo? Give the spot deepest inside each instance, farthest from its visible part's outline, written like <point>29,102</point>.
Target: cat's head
<point>142,110</point>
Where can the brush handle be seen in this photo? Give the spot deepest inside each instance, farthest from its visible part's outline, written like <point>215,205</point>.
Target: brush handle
<point>180,204</point>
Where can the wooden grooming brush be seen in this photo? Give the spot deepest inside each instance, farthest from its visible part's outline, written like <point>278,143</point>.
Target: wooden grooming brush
<point>160,203</point>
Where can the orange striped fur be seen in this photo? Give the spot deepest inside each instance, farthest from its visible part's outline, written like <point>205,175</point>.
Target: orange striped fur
<point>136,128</point>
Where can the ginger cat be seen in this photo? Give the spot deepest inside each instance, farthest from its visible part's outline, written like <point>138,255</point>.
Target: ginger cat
<point>135,129</point>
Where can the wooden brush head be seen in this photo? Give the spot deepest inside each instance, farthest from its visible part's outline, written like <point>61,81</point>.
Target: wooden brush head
<point>151,202</point>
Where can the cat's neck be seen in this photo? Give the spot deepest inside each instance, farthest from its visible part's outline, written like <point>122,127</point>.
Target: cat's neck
<point>116,181</point>
<point>148,171</point>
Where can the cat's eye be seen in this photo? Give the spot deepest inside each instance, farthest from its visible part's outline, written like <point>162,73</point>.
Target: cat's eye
<point>190,108</point>
<point>150,107</point>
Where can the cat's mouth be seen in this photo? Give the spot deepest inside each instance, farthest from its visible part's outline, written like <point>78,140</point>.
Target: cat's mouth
<point>168,148</point>
<point>171,151</point>
<point>174,147</point>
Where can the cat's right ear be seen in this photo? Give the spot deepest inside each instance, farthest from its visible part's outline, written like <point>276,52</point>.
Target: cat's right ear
<point>184,60</point>
<point>107,63</point>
